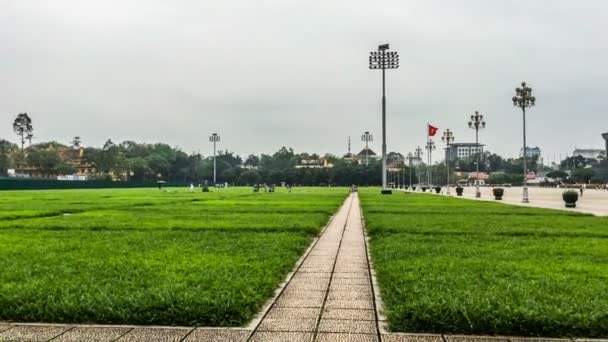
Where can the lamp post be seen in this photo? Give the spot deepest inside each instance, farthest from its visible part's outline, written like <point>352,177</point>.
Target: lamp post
<point>477,123</point>
<point>448,137</point>
<point>418,155</point>
<point>409,158</point>
<point>366,138</point>
<point>523,99</point>
<point>383,59</point>
<point>430,146</point>
<point>214,138</point>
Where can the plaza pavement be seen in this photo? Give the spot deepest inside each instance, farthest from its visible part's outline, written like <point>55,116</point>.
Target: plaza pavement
<point>330,296</point>
<point>592,202</point>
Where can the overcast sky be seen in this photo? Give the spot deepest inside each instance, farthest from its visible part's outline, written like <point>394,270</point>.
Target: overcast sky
<point>264,74</point>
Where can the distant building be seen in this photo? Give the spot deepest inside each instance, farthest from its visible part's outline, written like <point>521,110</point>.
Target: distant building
<point>365,152</point>
<point>531,152</point>
<point>315,163</point>
<point>463,150</point>
<point>589,153</point>
<point>74,156</point>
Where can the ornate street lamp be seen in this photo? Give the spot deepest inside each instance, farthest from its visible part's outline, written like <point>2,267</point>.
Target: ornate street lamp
<point>383,59</point>
<point>409,158</point>
<point>418,154</point>
<point>214,138</point>
<point>477,123</point>
<point>430,146</point>
<point>366,138</point>
<point>523,99</point>
<point>448,138</point>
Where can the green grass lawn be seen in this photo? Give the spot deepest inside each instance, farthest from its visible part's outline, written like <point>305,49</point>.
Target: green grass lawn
<point>449,265</point>
<point>144,256</point>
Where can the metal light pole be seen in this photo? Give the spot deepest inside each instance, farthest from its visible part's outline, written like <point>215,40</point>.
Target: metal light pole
<point>477,123</point>
<point>430,146</point>
<point>409,158</point>
<point>418,155</point>
<point>214,138</point>
<point>448,137</point>
<point>367,137</point>
<point>523,99</point>
<point>383,59</point>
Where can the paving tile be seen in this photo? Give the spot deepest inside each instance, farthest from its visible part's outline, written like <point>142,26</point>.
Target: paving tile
<point>155,334</point>
<point>333,337</point>
<point>350,295</point>
<point>351,281</point>
<point>32,333</point>
<point>536,339</point>
<point>281,337</point>
<point>299,294</point>
<point>349,304</point>
<point>92,334</point>
<point>411,338</point>
<point>313,284</point>
<point>288,324</point>
<point>217,335</point>
<point>350,287</point>
<point>316,270</point>
<point>351,275</point>
<point>294,313</point>
<point>352,314</point>
<point>300,275</point>
<point>352,265</point>
<point>466,338</point>
<point>347,326</point>
<point>286,302</point>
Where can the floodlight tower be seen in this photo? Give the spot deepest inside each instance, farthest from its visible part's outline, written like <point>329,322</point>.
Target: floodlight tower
<point>383,59</point>
<point>214,138</point>
<point>366,138</point>
<point>523,99</point>
<point>477,123</point>
<point>448,138</point>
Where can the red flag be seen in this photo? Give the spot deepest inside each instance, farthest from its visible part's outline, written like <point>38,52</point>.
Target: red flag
<point>432,131</point>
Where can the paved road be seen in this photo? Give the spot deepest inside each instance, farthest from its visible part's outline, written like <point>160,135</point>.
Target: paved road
<point>592,202</point>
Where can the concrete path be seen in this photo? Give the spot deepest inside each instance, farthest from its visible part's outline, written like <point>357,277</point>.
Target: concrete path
<point>592,202</point>
<point>330,296</point>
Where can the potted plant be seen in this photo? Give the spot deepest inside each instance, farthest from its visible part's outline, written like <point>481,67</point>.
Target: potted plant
<point>459,190</point>
<point>437,189</point>
<point>424,188</point>
<point>498,192</point>
<point>570,197</point>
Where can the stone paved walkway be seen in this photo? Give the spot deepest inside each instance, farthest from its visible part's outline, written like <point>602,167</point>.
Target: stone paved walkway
<point>329,297</point>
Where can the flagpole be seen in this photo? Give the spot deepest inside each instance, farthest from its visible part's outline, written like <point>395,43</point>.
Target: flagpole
<point>428,156</point>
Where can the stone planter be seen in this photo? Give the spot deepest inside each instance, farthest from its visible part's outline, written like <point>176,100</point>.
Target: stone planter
<point>498,192</point>
<point>570,197</point>
<point>459,191</point>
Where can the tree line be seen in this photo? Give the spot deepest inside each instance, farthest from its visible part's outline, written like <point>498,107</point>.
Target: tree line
<point>133,161</point>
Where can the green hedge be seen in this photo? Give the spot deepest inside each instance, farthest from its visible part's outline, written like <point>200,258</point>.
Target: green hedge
<point>41,184</point>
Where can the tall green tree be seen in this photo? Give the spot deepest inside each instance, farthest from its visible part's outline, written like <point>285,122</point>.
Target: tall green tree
<point>6,150</point>
<point>22,126</point>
